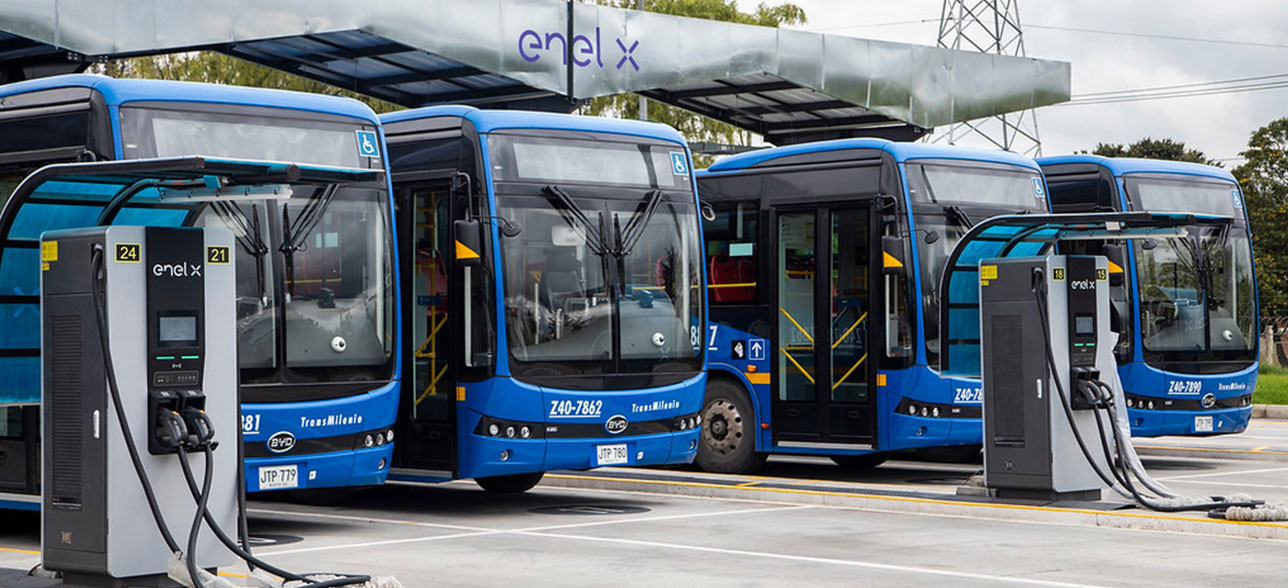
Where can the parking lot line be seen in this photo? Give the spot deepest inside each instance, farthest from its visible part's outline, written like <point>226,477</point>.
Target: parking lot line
<point>361,519</point>
<point>1219,474</point>
<point>816,560</point>
<point>373,543</point>
<point>691,515</point>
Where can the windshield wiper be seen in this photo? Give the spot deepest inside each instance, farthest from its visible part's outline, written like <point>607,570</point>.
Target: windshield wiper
<point>250,236</point>
<point>295,234</point>
<point>957,215</point>
<point>573,213</point>
<point>635,228</point>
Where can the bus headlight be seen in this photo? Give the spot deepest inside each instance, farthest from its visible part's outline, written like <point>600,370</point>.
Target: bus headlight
<point>494,429</point>
<point>369,440</point>
<point>525,432</point>
<point>509,431</point>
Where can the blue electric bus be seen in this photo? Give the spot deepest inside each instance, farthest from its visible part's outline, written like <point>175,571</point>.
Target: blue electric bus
<point>318,319</point>
<point>1185,309</point>
<point>823,263</point>
<point>554,294</point>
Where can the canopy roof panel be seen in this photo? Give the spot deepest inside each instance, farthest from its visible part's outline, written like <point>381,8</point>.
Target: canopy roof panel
<point>791,86</point>
<point>1022,236</point>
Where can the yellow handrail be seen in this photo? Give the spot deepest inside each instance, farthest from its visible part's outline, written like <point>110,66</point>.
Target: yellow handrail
<point>798,366</point>
<point>852,368</point>
<point>798,325</point>
<point>851,330</point>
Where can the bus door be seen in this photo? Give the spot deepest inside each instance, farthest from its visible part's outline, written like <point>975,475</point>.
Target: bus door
<point>824,378</point>
<point>426,420</point>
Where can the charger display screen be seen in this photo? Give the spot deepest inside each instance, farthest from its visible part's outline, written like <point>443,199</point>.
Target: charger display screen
<point>1084,325</point>
<point>177,330</point>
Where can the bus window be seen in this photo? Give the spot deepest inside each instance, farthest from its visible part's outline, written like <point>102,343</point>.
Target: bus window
<point>897,292</point>
<point>732,258</point>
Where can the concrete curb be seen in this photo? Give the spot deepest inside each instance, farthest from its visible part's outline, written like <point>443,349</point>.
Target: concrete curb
<point>947,506</point>
<point>1270,411</point>
<point>1210,453</point>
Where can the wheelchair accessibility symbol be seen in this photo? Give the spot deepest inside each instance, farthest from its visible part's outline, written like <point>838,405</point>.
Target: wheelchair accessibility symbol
<point>679,164</point>
<point>368,144</point>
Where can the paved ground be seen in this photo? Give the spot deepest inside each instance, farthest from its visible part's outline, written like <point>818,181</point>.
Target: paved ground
<point>681,533</point>
<point>1265,439</point>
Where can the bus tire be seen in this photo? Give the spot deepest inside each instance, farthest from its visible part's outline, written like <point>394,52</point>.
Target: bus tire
<point>866,461</point>
<point>511,484</point>
<point>728,442</point>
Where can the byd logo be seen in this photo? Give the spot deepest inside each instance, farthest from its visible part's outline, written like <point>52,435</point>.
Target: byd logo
<point>616,425</point>
<point>281,442</point>
<point>533,46</point>
<point>177,270</point>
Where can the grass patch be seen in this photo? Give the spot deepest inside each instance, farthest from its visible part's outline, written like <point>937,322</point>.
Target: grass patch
<point>1272,386</point>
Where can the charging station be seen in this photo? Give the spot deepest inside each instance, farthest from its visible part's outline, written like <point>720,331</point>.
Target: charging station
<point>1043,321</point>
<point>167,299</point>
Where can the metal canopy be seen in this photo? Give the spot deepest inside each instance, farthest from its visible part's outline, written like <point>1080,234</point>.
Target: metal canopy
<point>1029,235</point>
<point>791,86</point>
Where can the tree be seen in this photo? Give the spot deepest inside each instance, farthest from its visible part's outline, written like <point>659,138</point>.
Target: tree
<point>216,68</point>
<point>1264,180</point>
<point>693,126</point>
<point>1154,149</point>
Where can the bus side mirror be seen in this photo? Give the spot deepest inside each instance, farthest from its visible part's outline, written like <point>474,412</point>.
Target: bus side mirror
<point>1117,262</point>
<point>469,242</point>
<point>892,255</point>
<point>708,211</point>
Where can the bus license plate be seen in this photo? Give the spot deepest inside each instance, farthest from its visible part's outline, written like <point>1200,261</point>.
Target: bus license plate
<point>611,455</point>
<point>279,477</point>
<point>1202,424</point>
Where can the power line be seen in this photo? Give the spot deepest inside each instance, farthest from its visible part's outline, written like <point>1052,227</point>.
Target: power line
<point>875,24</point>
<point>1195,84</point>
<point>1154,36</point>
<point>1145,95</point>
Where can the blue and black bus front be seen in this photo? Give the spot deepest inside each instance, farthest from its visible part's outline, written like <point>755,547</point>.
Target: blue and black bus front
<point>601,307</point>
<point>1197,312</point>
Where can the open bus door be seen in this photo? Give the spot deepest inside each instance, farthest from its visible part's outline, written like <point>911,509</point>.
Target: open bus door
<point>427,413</point>
<point>827,266</point>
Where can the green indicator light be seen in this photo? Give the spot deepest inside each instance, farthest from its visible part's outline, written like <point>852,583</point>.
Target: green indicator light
<point>190,357</point>
<point>164,357</point>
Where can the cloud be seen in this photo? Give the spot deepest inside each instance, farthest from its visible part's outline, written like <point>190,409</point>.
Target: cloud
<point>1217,125</point>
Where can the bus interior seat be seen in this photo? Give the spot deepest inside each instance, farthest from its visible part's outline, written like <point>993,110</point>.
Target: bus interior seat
<point>561,277</point>
<point>727,270</point>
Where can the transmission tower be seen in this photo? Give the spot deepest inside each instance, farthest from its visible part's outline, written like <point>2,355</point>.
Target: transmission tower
<point>989,26</point>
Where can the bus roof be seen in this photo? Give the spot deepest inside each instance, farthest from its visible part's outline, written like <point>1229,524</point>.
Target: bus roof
<point>120,91</point>
<point>901,151</point>
<point>1135,165</point>
<point>486,121</point>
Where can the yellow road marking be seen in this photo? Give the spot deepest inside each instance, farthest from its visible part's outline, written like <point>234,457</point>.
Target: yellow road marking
<point>1214,449</point>
<point>22,551</point>
<point>1262,448</point>
<point>938,501</point>
<point>746,484</point>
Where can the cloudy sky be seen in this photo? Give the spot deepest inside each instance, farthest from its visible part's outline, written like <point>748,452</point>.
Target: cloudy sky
<point>1218,125</point>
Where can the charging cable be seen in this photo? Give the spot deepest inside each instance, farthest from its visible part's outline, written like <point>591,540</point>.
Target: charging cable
<point>192,430</point>
<point>1120,472</point>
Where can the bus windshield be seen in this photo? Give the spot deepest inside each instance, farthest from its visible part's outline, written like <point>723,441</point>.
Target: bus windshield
<point>268,134</point>
<point>1196,293</point>
<point>602,279</point>
<point>314,292</point>
<point>948,199</point>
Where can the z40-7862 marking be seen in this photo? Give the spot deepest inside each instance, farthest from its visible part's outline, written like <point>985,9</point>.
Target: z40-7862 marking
<point>576,408</point>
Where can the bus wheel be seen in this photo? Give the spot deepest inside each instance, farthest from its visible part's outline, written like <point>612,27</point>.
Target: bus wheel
<point>511,484</point>
<point>728,444</point>
<point>866,461</point>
